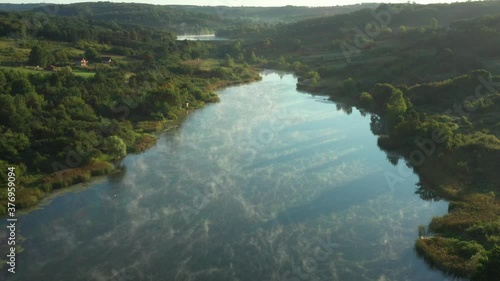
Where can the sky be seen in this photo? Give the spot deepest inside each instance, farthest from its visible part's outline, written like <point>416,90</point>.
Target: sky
<point>236,2</point>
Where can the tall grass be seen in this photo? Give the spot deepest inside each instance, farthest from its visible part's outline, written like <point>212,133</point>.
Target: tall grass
<point>69,177</point>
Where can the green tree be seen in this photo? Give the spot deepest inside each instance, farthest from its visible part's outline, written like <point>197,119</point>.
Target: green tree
<point>7,110</point>
<point>366,99</point>
<point>434,24</point>
<point>314,76</point>
<point>67,70</point>
<point>236,48</point>
<point>349,87</point>
<point>229,62</point>
<point>3,82</point>
<point>297,44</point>
<point>61,56</point>
<point>490,269</point>
<point>22,86</point>
<point>11,143</point>
<point>253,57</point>
<point>382,94</point>
<point>298,66</point>
<point>282,62</point>
<point>115,147</point>
<point>396,104</point>
<point>92,55</point>
<point>38,56</point>
<point>35,101</point>
<point>267,42</point>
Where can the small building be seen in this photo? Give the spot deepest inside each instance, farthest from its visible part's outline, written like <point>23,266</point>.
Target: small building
<point>51,68</point>
<point>82,62</point>
<point>106,60</point>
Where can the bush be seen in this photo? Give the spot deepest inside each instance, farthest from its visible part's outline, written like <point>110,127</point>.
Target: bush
<point>490,269</point>
<point>123,51</point>
<point>366,100</point>
<point>349,87</point>
<point>144,142</point>
<point>314,76</point>
<point>115,147</point>
<point>461,258</point>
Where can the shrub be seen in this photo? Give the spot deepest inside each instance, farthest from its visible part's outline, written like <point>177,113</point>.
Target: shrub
<point>461,258</point>
<point>366,100</point>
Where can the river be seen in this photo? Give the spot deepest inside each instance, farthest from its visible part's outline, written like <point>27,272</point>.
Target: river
<point>267,184</point>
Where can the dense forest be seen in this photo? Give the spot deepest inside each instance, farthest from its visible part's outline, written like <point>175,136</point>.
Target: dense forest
<point>77,94</point>
<point>185,19</point>
<point>143,15</point>
<point>429,74</point>
<point>20,7</point>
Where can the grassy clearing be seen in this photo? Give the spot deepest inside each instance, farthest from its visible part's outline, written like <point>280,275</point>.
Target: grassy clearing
<point>25,69</point>
<point>33,70</point>
<point>84,74</point>
<point>14,50</point>
<point>203,64</point>
<point>11,53</point>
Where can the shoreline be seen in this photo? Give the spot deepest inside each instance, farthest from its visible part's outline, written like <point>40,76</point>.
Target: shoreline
<point>451,243</point>
<point>89,175</point>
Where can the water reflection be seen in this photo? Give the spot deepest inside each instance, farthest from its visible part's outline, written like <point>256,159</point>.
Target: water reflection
<point>347,109</point>
<point>377,126</point>
<point>426,192</point>
<point>206,37</point>
<point>393,158</point>
<point>268,184</point>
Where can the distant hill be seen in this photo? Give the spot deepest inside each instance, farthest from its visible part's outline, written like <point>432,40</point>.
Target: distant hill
<point>411,14</point>
<point>21,7</point>
<point>322,30</point>
<point>184,19</point>
<point>274,14</point>
<point>157,16</point>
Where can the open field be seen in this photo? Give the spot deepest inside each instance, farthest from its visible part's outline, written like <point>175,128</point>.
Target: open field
<point>29,69</point>
<point>203,64</point>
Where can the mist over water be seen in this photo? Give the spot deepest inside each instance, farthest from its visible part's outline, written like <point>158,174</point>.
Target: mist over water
<point>208,37</point>
<point>268,184</point>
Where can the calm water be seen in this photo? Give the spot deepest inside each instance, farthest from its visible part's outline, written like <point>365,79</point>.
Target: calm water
<point>210,37</point>
<point>268,184</point>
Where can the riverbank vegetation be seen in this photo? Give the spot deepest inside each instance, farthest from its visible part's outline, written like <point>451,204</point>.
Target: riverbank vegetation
<point>64,119</point>
<point>430,73</point>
